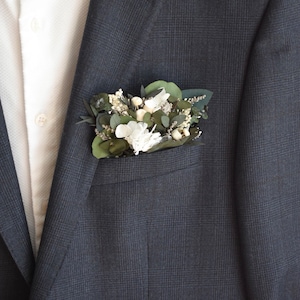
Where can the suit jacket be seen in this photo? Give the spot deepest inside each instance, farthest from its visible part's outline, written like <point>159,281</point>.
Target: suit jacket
<point>213,221</point>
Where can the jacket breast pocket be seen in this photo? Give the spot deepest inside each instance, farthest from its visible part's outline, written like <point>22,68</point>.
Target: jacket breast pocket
<point>149,182</point>
<point>143,166</point>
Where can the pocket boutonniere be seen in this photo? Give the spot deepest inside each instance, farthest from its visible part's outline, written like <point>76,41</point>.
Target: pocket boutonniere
<point>163,116</point>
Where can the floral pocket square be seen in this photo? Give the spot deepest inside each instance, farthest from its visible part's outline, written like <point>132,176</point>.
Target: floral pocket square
<point>163,116</point>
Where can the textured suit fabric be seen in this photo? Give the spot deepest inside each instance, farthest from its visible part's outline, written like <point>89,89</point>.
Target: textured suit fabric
<point>213,221</point>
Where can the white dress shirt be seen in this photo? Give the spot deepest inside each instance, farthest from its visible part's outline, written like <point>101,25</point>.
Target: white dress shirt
<point>39,46</point>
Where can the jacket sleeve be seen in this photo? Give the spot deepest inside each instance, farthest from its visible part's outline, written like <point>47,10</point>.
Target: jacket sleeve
<point>268,157</point>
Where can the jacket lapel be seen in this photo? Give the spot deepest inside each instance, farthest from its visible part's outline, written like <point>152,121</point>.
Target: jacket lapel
<point>13,225</point>
<point>114,38</point>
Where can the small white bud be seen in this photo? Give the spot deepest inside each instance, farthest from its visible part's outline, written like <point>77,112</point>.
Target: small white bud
<point>140,114</point>
<point>186,132</point>
<point>136,101</point>
<point>176,135</point>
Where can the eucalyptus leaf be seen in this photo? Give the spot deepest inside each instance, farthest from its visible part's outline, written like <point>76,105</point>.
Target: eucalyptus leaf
<point>157,115</point>
<point>179,119</point>
<point>173,99</point>
<point>147,119</point>
<point>99,123</point>
<point>104,96</point>
<point>100,148</point>
<point>170,88</point>
<point>172,115</point>
<point>115,121</point>
<point>118,146</point>
<point>125,119</point>
<point>198,92</point>
<point>194,119</point>
<point>160,128</point>
<point>165,121</point>
<point>105,119</point>
<point>183,104</point>
<point>195,111</point>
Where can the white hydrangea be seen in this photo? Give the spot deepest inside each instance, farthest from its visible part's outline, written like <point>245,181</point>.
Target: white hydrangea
<point>138,136</point>
<point>157,102</point>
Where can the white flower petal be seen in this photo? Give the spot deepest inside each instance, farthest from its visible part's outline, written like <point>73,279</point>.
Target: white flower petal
<point>149,106</point>
<point>157,102</point>
<point>138,136</point>
<point>123,131</point>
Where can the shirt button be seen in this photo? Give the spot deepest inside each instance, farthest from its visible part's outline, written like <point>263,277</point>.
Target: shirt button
<point>35,25</point>
<point>41,120</point>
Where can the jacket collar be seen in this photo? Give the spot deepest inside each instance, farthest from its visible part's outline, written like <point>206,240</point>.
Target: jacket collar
<point>114,38</point>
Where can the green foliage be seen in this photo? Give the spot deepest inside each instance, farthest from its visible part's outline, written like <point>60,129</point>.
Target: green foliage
<point>125,119</point>
<point>198,92</point>
<point>183,105</point>
<point>132,113</point>
<point>180,112</point>
<point>100,148</point>
<point>109,148</point>
<point>156,116</point>
<point>147,119</point>
<point>115,120</point>
<point>100,102</point>
<point>117,147</point>
<point>165,121</point>
<point>179,119</point>
<point>170,88</point>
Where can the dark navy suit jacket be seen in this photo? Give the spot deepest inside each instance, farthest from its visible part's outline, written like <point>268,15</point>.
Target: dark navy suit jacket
<point>213,221</point>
